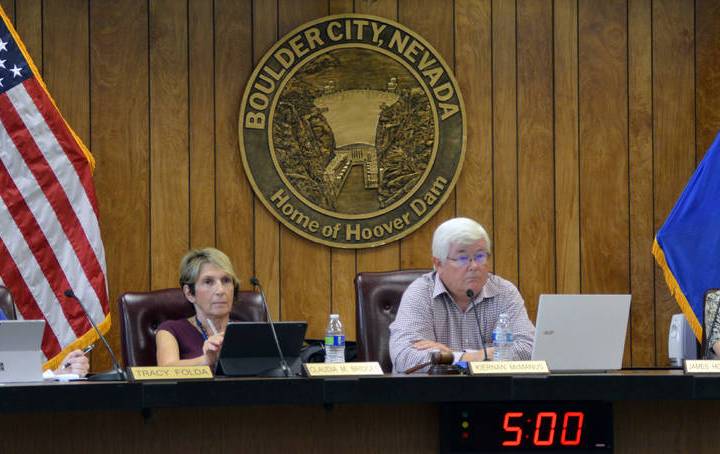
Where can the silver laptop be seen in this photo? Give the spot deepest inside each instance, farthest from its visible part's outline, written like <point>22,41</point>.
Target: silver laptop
<point>20,354</point>
<point>581,333</point>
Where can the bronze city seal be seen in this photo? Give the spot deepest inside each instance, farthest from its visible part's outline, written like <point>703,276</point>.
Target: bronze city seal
<point>352,131</point>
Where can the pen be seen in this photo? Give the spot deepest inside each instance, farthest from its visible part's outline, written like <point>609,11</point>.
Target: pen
<point>85,351</point>
<point>212,326</point>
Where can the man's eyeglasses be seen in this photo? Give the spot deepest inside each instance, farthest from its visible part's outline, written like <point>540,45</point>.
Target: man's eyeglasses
<point>464,260</point>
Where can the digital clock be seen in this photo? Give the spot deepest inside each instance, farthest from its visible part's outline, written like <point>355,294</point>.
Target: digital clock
<point>526,426</point>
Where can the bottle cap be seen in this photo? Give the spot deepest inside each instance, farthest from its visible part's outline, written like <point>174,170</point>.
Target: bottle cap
<point>334,315</point>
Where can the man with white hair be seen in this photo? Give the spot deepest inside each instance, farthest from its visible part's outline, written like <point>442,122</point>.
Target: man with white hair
<point>456,307</point>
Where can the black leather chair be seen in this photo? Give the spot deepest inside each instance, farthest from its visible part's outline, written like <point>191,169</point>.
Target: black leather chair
<point>711,316</point>
<point>6,303</point>
<point>142,313</point>
<point>377,298</point>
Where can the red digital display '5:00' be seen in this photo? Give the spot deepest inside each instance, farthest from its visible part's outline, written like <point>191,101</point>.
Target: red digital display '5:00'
<point>545,428</point>
<point>526,426</point>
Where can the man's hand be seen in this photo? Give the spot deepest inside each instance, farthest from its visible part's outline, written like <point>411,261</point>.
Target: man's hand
<point>431,345</point>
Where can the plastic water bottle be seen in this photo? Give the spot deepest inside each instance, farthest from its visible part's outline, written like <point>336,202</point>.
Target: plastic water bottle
<point>502,339</point>
<point>335,341</point>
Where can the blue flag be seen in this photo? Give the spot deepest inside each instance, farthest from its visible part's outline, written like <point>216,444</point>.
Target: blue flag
<point>687,246</point>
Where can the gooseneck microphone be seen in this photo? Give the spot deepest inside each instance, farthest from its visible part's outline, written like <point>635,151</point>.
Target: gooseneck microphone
<point>283,364</point>
<point>470,294</point>
<point>113,375</point>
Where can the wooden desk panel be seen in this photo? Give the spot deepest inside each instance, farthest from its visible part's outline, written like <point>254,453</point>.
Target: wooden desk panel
<point>653,412</point>
<point>292,429</point>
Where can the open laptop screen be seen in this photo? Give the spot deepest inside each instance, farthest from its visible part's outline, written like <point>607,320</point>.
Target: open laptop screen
<point>249,348</point>
<point>581,333</point>
<point>20,354</point>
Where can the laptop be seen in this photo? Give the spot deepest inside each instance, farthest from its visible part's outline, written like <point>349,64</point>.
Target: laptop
<point>249,348</point>
<point>20,354</point>
<point>581,333</point>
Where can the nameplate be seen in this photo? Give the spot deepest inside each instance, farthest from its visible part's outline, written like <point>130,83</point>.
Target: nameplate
<point>508,368</point>
<point>342,369</point>
<point>171,373</point>
<point>702,366</point>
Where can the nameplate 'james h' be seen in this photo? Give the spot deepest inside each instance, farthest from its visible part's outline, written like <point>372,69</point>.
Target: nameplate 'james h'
<point>352,131</point>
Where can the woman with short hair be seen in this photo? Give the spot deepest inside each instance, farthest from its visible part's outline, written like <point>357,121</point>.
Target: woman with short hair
<point>208,281</point>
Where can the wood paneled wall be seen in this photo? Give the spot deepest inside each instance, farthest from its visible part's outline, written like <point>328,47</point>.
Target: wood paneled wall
<point>586,118</point>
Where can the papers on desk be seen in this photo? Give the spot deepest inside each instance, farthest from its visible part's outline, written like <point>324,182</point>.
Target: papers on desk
<point>49,375</point>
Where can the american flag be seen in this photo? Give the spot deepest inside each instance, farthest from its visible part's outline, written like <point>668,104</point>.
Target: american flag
<point>49,231</point>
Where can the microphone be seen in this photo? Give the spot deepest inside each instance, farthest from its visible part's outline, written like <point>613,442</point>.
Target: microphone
<point>283,364</point>
<point>113,375</point>
<point>470,294</point>
<point>436,358</point>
